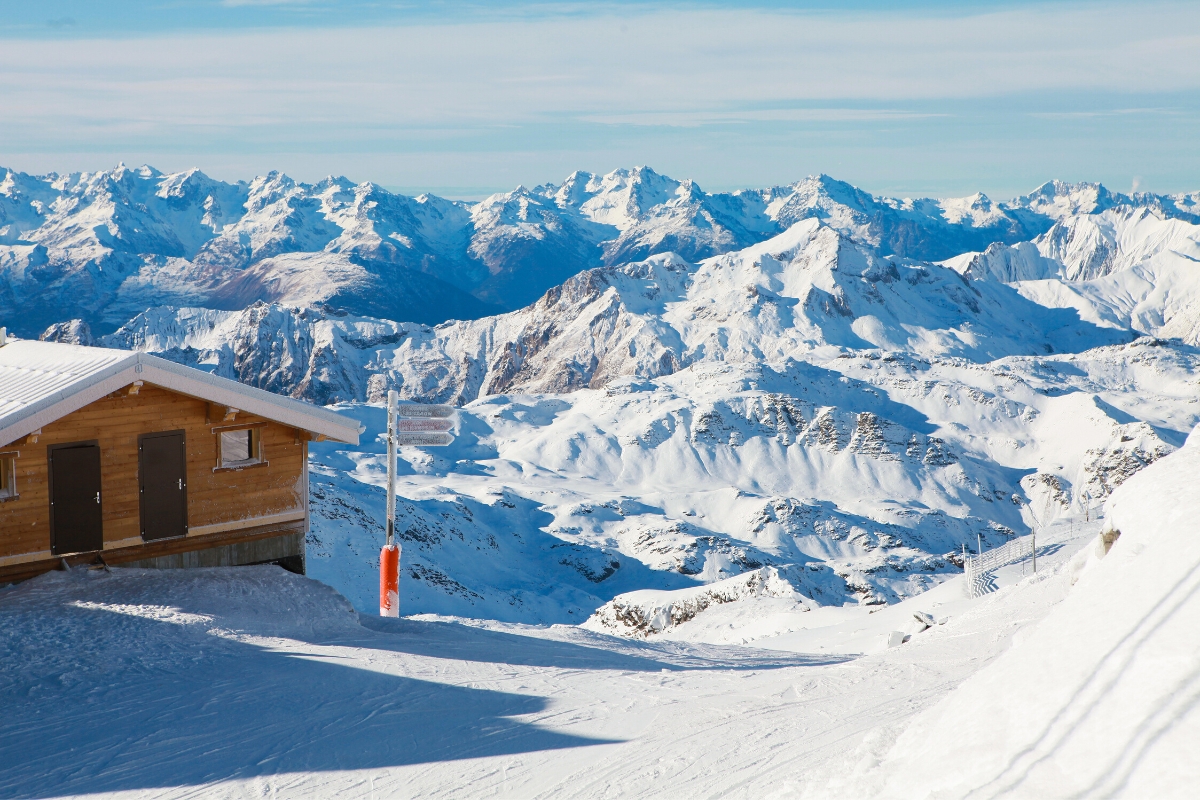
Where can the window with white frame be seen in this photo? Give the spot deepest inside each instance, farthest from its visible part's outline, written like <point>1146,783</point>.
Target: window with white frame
<point>241,447</point>
<point>8,476</point>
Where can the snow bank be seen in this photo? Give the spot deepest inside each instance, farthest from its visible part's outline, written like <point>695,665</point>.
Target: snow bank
<point>1101,697</point>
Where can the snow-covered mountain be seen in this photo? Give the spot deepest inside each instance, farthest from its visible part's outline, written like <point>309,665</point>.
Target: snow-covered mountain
<point>809,288</point>
<point>772,417</point>
<point>770,394</point>
<point>1124,266</point>
<point>805,412</point>
<point>105,246</point>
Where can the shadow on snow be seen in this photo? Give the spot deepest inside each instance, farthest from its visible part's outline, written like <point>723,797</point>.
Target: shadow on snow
<point>101,698</point>
<point>244,712</point>
<point>451,640</point>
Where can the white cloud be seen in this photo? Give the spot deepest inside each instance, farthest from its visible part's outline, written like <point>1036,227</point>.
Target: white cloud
<point>351,90</point>
<point>665,62</point>
<point>691,119</point>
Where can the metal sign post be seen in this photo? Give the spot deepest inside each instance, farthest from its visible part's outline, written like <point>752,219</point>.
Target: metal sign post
<point>409,425</point>
<point>389,556</point>
<point>391,468</point>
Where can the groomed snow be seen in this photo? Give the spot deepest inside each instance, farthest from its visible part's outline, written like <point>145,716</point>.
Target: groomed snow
<point>250,681</point>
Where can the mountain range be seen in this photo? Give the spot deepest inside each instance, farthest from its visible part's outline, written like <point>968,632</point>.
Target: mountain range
<point>802,396</point>
<point>104,246</point>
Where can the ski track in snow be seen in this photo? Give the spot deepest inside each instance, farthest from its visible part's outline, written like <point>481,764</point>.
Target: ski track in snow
<point>254,682</point>
<point>1101,698</point>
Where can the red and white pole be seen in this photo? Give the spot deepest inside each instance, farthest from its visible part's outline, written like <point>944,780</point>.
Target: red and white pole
<point>389,556</point>
<point>389,581</point>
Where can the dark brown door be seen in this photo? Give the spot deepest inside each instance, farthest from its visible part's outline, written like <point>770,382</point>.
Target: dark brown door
<point>162,471</point>
<point>76,522</point>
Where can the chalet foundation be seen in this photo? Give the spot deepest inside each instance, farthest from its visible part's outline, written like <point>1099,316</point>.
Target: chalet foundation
<point>287,551</point>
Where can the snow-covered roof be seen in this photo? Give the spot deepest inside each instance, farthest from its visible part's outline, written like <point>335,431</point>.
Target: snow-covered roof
<point>41,382</point>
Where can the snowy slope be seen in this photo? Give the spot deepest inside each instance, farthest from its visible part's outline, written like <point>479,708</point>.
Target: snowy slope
<point>104,246</point>
<point>856,481</point>
<point>656,214</point>
<point>1057,199</point>
<point>528,243</point>
<point>1123,267</point>
<point>1099,699</point>
<point>792,297</point>
<point>232,682</point>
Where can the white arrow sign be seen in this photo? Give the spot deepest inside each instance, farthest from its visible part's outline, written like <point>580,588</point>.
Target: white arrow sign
<point>424,439</point>
<point>424,425</point>
<point>419,424</point>
<point>423,410</point>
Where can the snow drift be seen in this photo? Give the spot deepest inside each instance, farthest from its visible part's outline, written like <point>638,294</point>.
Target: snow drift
<point>1102,697</point>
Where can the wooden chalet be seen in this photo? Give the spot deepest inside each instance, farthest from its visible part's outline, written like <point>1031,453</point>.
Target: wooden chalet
<point>109,456</point>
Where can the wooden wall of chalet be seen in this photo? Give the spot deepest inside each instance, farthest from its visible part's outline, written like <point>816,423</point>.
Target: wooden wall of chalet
<point>221,501</point>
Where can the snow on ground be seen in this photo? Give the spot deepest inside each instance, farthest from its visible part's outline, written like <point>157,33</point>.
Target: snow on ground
<point>251,681</point>
<point>1100,699</point>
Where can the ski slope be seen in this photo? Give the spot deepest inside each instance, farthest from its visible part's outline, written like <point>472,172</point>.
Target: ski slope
<point>255,682</point>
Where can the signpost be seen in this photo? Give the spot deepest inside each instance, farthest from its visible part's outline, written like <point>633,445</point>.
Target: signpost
<point>409,425</point>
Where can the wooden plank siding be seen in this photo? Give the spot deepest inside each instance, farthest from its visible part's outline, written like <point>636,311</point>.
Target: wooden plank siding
<point>214,498</point>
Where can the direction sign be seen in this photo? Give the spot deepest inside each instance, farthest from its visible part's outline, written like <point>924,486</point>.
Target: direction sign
<point>409,425</point>
<point>423,439</point>
<point>423,410</point>
<point>427,425</point>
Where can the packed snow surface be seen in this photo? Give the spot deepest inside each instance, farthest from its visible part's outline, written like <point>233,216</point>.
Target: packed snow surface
<point>250,681</point>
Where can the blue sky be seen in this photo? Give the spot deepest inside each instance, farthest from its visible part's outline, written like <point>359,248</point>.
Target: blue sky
<point>462,99</point>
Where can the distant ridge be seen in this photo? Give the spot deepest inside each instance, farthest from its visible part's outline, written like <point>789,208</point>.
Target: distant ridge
<point>104,246</point>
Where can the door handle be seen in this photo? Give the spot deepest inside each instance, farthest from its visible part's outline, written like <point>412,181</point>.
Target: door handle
<point>97,497</point>
<point>181,484</point>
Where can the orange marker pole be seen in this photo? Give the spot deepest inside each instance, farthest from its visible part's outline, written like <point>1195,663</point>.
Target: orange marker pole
<point>389,581</point>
